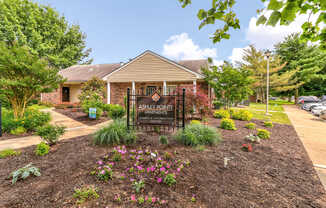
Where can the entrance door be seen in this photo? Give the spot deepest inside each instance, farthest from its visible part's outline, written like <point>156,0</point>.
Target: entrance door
<point>65,94</point>
<point>150,90</point>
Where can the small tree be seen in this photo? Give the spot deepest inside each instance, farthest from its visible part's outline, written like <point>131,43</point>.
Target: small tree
<point>24,76</point>
<point>92,95</point>
<point>229,83</point>
<point>196,102</point>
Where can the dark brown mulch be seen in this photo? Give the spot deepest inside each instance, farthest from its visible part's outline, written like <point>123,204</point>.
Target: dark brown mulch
<point>278,173</point>
<point>80,116</point>
<point>6,136</point>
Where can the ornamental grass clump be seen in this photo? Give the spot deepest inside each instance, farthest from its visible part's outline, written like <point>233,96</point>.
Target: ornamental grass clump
<point>250,126</point>
<point>198,134</point>
<point>221,114</point>
<point>164,139</point>
<point>114,134</point>
<point>228,124</point>
<point>263,134</point>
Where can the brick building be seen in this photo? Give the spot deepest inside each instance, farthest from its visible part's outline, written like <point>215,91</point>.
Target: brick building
<point>144,74</point>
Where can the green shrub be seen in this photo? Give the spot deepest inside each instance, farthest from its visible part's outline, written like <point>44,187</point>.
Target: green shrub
<point>268,124</point>
<point>31,120</point>
<point>50,133</point>
<point>263,134</point>
<point>42,149</point>
<point>228,124</point>
<point>243,115</point>
<point>198,134</point>
<point>24,172</point>
<point>107,107</point>
<point>85,193</point>
<point>221,114</point>
<point>18,131</point>
<point>116,112</point>
<point>170,179</point>
<point>35,118</point>
<point>8,153</point>
<point>250,125</point>
<point>164,139</point>
<point>114,134</point>
<point>95,101</point>
<point>195,122</point>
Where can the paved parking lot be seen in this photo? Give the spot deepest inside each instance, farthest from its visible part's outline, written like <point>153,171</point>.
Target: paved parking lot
<point>312,132</point>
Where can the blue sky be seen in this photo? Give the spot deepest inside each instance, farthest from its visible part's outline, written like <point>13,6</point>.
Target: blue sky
<point>119,30</point>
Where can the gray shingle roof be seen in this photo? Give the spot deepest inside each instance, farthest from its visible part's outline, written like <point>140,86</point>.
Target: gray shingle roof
<point>82,73</point>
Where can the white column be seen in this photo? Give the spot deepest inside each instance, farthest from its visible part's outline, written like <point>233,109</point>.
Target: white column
<point>195,86</point>
<point>133,92</point>
<point>108,87</point>
<point>164,88</point>
<point>133,88</point>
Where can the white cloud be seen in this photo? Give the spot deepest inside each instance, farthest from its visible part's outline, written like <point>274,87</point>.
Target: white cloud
<point>267,36</point>
<point>182,47</point>
<point>237,54</point>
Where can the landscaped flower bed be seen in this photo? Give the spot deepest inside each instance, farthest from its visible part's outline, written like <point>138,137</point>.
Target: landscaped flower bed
<point>277,173</point>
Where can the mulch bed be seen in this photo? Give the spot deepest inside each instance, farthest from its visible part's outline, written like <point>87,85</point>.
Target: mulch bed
<point>278,173</point>
<point>6,136</point>
<point>78,115</point>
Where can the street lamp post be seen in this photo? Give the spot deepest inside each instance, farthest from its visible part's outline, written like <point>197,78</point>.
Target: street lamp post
<point>267,53</point>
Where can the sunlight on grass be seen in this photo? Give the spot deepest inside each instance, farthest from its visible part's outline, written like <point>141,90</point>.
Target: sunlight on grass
<point>260,106</point>
<point>276,117</point>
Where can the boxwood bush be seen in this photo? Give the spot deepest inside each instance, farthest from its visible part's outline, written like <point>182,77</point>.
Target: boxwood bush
<point>243,115</point>
<point>228,124</point>
<point>42,149</point>
<point>268,124</point>
<point>116,111</point>
<point>198,134</point>
<point>263,134</point>
<point>221,114</point>
<point>250,125</point>
<point>114,134</point>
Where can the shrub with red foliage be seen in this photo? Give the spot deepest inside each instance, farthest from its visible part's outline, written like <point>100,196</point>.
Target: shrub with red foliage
<point>199,99</point>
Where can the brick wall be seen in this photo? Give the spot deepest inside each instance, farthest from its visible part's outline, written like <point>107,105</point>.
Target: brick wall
<point>119,90</point>
<point>52,97</point>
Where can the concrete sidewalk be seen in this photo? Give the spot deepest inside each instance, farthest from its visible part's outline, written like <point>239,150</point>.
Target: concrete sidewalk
<point>74,129</point>
<point>312,132</point>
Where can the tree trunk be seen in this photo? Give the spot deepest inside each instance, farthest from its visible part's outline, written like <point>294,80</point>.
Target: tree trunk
<point>296,96</point>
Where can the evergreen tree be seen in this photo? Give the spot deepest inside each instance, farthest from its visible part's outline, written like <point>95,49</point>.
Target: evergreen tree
<point>254,60</point>
<point>308,63</point>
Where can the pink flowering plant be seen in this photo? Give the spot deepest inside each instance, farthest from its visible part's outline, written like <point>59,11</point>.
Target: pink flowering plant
<point>139,167</point>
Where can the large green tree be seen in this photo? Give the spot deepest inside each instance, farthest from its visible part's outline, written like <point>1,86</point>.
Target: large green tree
<point>24,76</point>
<point>283,12</point>
<point>254,60</point>
<point>230,84</point>
<point>308,62</point>
<point>44,32</point>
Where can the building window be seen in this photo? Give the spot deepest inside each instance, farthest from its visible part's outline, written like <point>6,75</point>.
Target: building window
<point>171,89</point>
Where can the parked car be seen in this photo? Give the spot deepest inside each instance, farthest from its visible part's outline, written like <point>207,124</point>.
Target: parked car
<point>308,99</point>
<point>323,115</point>
<point>318,110</point>
<point>310,106</point>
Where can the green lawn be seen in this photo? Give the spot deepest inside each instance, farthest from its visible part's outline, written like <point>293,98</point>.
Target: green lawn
<point>271,106</point>
<point>258,111</point>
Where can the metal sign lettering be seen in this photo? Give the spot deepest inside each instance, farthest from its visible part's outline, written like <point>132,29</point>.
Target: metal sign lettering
<point>156,110</point>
